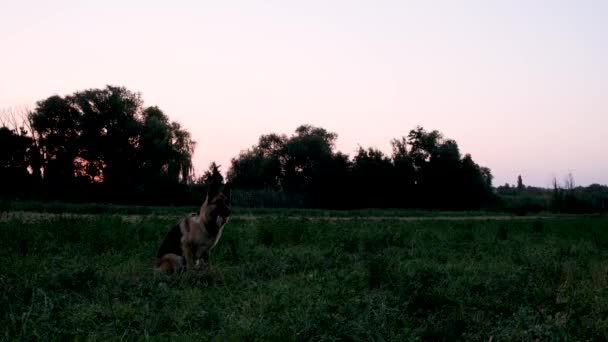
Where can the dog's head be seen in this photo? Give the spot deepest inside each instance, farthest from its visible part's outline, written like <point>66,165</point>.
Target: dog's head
<point>216,209</point>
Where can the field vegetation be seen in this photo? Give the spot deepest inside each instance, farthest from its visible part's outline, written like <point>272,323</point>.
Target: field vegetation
<point>291,276</point>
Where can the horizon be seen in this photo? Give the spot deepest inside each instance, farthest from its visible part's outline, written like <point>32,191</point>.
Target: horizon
<point>521,90</point>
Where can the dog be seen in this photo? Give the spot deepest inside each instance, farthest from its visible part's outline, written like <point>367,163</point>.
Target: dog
<point>191,240</point>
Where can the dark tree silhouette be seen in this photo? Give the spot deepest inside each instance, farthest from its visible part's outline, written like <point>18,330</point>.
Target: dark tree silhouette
<point>404,175</point>
<point>372,172</point>
<point>308,156</point>
<point>262,166</point>
<point>520,183</point>
<point>14,163</point>
<point>304,163</point>
<point>107,137</point>
<point>213,174</point>
<point>105,145</point>
<point>425,170</point>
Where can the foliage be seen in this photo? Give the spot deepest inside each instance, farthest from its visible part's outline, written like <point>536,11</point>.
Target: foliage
<point>424,171</point>
<point>261,166</point>
<point>213,174</point>
<point>103,142</point>
<point>14,161</point>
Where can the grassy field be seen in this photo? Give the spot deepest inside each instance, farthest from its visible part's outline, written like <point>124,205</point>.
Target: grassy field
<point>308,278</point>
<point>111,209</point>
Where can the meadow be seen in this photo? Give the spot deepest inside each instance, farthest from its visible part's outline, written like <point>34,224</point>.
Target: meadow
<point>291,275</point>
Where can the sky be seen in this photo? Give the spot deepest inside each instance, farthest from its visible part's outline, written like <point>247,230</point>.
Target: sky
<point>520,85</point>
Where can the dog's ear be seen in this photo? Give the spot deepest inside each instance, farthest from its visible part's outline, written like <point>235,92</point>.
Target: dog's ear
<point>214,189</point>
<point>227,191</point>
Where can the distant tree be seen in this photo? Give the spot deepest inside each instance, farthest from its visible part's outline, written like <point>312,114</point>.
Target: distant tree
<point>17,121</point>
<point>443,175</point>
<point>372,172</point>
<point>569,182</point>
<point>308,154</point>
<point>476,184</point>
<point>570,200</point>
<point>165,149</point>
<point>304,163</point>
<point>424,170</point>
<point>335,188</point>
<point>14,164</point>
<point>558,198</point>
<point>443,178</point>
<point>596,196</point>
<point>404,175</point>
<point>520,183</point>
<point>260,167</point>
<point>55,121</point>
<point>213,175</point>
<point>422,144</point>
<point>106,136</point>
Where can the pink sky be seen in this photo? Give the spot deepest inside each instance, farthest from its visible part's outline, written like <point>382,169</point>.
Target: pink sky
<point>521,85</point>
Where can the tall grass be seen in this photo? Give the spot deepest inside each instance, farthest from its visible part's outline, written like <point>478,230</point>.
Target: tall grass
<point>107,209</point>
<point>302,279</point>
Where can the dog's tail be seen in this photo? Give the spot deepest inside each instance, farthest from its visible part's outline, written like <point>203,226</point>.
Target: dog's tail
<point>169,263</point>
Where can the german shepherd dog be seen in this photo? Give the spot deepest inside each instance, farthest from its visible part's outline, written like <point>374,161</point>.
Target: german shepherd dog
<point>193,237</point>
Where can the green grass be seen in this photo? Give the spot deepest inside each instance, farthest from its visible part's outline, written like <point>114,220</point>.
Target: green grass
<point>316,279</point>
<point>109,209</point>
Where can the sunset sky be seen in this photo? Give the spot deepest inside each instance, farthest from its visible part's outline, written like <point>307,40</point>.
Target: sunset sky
<point>521,85</point>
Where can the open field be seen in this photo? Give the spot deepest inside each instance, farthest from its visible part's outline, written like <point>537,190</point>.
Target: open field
<point>107,209</point>
<point>288,275</point>
<point>34,216</point>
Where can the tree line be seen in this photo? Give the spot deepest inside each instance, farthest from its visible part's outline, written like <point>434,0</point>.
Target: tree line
<point>105,145</point>
<point>563,197</point>
<point>425,170</point>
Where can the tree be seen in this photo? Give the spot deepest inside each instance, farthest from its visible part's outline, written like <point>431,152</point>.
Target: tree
<point>424,170</point>
<point>260,167</point>
<point>372,172</point>
<point>294,164</point>
<point>443,177</point>
<point>422,144</point>
<point>308,153</point>
<point>213,175</point>
<point>404,174</point>
<point>520,183</point>
<point>165,149</point>
<point>107,137</point>
<point>14,175</point>
<point>570,201</point>
<point>18,122</point>
<point>476,184</point>
<point>55,122</point>
<point>569,182</point>
<point>334,189</point>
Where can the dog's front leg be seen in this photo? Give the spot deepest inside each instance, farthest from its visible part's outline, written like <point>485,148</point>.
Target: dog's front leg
<point>205,258</point>
<point>189,256</point>
<point>202,260</point>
